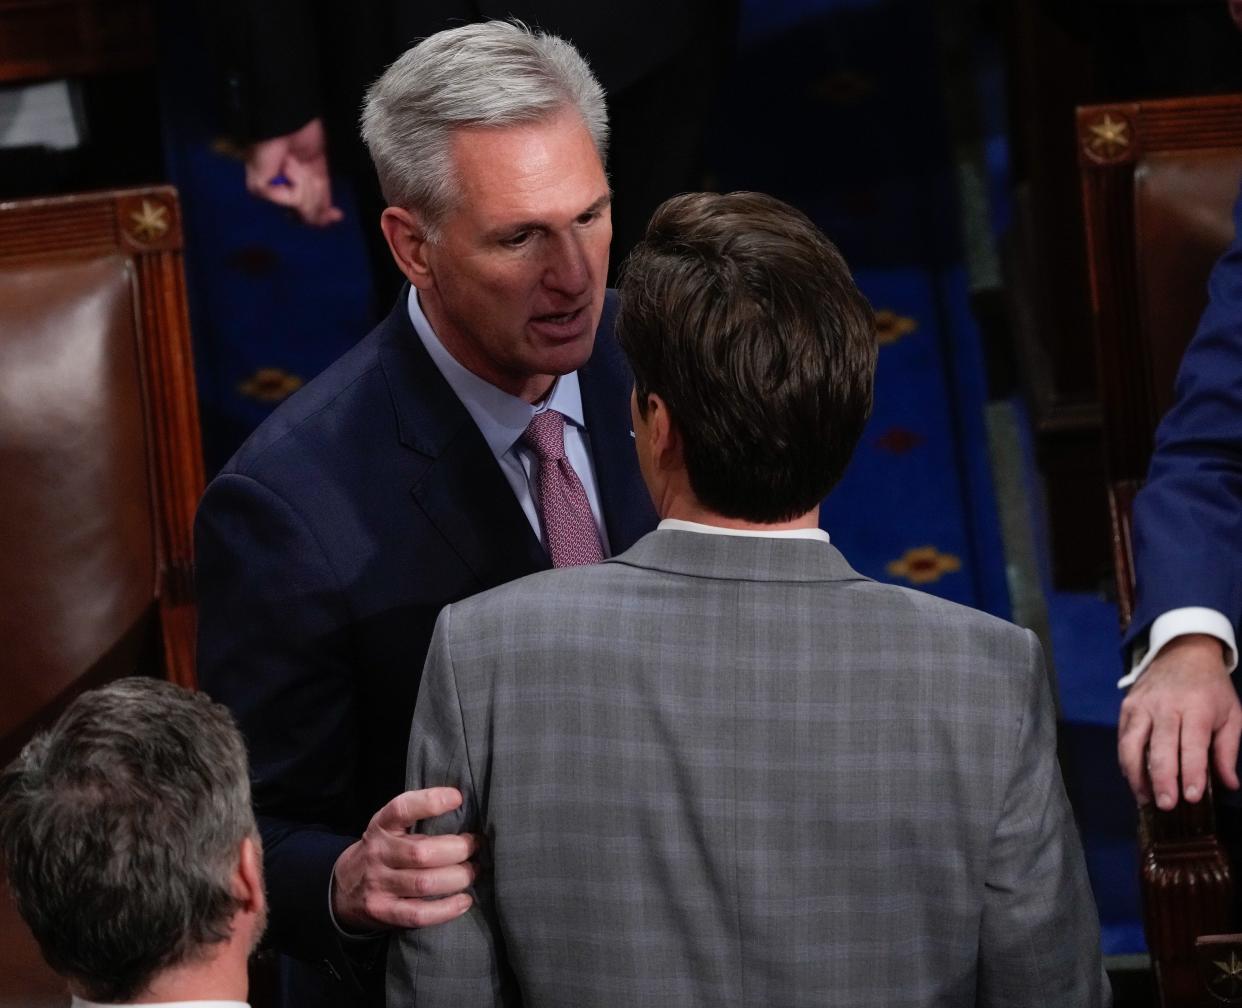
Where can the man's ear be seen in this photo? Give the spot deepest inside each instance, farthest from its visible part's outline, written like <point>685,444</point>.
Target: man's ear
<point>407,240</point>
<point>248,876</point>
<point>664,434</point>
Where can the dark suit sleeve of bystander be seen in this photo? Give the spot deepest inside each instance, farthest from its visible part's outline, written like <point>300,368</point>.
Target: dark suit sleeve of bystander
<point>267,65</point>
<point>1188,515</point>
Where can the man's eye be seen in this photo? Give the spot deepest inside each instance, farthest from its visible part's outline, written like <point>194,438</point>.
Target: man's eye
<point>518,240</point>
<point>589,217</point>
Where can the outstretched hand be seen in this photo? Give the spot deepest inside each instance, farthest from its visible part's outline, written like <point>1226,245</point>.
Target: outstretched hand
<point>1182,706</point>
<point>292,171</point>
<point>391,878</point>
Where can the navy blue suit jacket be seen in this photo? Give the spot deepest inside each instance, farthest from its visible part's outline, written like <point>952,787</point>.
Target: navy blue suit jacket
<point>325,550</point>
<point>1188,516</point>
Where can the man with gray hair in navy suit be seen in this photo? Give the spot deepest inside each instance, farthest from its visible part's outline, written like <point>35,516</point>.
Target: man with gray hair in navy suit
<point>448,452</point>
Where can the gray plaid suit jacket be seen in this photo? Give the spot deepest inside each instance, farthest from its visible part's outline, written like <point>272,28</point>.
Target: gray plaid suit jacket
<point>732,771</point>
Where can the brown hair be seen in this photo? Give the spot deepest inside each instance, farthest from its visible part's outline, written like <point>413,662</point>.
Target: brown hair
<point>744,319</point>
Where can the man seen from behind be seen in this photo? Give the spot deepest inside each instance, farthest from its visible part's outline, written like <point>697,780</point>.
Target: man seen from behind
<point>130,845</point>
<point>723,768</point>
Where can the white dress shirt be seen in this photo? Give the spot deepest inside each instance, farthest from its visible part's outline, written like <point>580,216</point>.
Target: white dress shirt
<point>80,1003</point>
<point>502,420</point>
<point>678,525</point>
<point>1178,623</point>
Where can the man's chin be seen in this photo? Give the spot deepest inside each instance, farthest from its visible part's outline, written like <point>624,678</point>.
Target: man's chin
<point>574,354</point>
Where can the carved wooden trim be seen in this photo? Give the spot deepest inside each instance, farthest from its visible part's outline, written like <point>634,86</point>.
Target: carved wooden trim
<point>1120,507</point>
<point>1187,893</point>
<point>1174,124</point>
<point>144,225</point>
<point>1106,135</point>
<point>173,411</point>
<point>31,230</point>
<point>40,39</point>
<point>1220,967</point>
<point>149,221</point>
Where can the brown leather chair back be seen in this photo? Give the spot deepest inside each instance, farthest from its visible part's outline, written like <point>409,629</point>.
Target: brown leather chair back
<point>100,470</point>
<point>1183,221</point>
<point>1159,181</point>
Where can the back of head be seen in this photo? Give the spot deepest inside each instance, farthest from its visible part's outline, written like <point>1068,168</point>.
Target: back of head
<point>120,829</point>
<point>494,73</point>
<point>744,319</point>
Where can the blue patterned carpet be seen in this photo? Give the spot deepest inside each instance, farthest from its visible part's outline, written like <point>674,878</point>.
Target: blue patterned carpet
<point>836,108</point>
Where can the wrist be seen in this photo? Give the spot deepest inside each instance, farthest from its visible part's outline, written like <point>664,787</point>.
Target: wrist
<point>347,924</point>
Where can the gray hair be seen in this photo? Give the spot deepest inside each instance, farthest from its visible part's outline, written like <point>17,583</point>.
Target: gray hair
<point>120,828</point>
<point>495,73</point>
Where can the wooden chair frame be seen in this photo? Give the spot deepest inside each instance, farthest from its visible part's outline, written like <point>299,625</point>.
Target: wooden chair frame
<point>1186,878</point>
<point>145,225</point>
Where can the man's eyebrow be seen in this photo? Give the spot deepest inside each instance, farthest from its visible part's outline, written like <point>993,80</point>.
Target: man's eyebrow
<point>531,225</point>
<point>599,204</point>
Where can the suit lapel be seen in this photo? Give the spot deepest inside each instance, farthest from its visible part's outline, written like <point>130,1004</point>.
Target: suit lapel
<point>459,486</point>
<point>606,384</point>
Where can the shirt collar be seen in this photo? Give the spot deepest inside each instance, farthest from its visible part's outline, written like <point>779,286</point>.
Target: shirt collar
<point>501,418</point>
<point>82,1003</point>
<point>678,525</point>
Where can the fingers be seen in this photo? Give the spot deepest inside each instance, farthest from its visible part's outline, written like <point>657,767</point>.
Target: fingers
<point>294,175</point>
<point>383,881</point>
<point>310,183</point>
<point>425,852</point>
<point>431,883</point>
<point>1162,759</point>
<point>392,878</point>
<point>263,163</point>
<point>1132,750</point>
<point>1181,708</point>
<point>411,807</point>
<point>1196,738</point>
<point>419,913</point>
<point>1225,748</point>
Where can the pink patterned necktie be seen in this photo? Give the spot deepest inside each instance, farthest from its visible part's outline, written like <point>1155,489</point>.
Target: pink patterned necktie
<point>568,525</point>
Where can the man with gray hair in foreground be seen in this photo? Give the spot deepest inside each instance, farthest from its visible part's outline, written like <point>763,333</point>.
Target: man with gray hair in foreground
<point>130,845</point>
<point>723,768</point>
<point>479,433</point>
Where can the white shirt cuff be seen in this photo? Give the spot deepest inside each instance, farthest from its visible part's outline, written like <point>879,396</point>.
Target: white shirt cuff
<point>1178,623</point>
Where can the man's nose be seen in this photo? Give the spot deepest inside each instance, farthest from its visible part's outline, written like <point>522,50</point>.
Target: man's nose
<point>568,269</point>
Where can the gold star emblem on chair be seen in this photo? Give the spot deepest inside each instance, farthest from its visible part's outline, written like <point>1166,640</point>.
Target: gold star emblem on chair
<point>1230,975</point>
<point>1108,137</point>
<point>149,223</point>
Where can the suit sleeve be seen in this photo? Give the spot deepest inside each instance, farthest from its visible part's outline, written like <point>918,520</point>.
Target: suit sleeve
<point>273,647</point>
<point>1039,940</point>
<point>461,962</point>
<point>1188,516</point>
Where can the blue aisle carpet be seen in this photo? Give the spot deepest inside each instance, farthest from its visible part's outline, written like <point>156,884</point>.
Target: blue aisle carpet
<point>1083,626</point>
<point>835,107</point>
